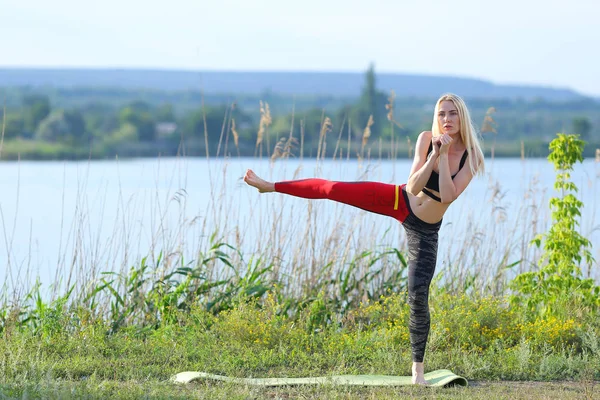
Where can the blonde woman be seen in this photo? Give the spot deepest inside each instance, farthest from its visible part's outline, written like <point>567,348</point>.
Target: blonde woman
<point>446,159</point>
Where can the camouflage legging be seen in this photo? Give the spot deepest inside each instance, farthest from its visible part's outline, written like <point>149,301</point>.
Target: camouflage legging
<point>390,200</point>
<point>422,256</point>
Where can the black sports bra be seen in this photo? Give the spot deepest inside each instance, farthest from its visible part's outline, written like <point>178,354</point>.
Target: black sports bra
<point>434,179</point>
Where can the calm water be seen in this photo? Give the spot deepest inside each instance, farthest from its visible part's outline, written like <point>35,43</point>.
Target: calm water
<point>58,216</point>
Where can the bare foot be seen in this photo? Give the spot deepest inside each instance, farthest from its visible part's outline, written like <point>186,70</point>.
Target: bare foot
<point>418,374</point>
<point>253,180</point>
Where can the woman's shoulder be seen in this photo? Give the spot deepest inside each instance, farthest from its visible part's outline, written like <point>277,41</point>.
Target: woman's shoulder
<point>426,134</point>
<point>424,137</point>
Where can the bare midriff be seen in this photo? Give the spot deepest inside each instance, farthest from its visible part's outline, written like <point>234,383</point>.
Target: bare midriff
<point>426,208</point>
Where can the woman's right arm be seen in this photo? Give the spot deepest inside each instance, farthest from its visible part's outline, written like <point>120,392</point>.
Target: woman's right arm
<point>422,166</point>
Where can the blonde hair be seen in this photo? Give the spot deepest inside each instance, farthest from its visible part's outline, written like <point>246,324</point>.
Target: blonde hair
<point>468,133</point>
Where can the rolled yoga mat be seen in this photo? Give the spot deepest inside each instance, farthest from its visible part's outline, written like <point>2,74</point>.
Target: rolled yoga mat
<point>441,377</point>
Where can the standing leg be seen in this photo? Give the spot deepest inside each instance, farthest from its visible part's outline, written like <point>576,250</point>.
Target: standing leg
<point>422,257</point>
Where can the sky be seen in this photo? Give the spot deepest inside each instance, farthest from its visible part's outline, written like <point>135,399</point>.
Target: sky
<point>531,42</point>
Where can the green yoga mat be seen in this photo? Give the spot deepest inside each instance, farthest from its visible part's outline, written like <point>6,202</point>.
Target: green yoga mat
<point>442,377</point>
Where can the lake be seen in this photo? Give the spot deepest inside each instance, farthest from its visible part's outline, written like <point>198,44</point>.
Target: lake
<point>67,221</point>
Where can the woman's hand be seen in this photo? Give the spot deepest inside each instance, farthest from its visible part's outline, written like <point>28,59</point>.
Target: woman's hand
<point>444,141</point>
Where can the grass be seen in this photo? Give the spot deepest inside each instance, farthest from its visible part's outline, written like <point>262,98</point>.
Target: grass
<point>92,389</point>
<point>78,355</point>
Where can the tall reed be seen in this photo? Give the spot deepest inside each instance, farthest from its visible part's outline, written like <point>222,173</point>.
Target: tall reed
<point>241,243</point>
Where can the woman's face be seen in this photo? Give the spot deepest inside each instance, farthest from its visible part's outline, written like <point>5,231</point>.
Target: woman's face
<point>448,119</point>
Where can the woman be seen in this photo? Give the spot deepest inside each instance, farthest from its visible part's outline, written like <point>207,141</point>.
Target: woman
<point>446,159</point>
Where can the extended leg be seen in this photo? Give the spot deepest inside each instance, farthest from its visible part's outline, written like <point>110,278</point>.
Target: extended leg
<point>377,197</point>
<point>380,198</point>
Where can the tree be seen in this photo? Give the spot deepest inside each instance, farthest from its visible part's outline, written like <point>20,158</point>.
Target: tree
<point>138,115</point>
<point>141,106</point>
<point>372,103</point>
<point>124,134</point>
<point>14,126</point>
<point>217,121</point>
<point>313,121</point>
<point>193,125</point>
<point>65,126</point>
<point>165,113</point>
<point>369,93</point>
<point>100,119</point>
<point>37,107</point>
<point>582,127</point>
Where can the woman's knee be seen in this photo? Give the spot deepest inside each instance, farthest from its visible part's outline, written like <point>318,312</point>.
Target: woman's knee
<point>330,188</point>
<point>418,303</point>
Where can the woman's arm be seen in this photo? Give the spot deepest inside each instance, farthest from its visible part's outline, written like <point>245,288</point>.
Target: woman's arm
<point>447,188</point>
<point>422,166</point>
<point>451,189</point>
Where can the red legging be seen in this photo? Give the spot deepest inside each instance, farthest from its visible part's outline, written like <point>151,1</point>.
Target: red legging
<point>380,198</point>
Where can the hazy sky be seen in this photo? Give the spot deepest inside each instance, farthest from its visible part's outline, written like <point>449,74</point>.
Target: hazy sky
<point>553,43</point>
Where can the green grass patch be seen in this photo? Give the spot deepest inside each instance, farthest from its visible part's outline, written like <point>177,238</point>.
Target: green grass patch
<point>479,338</point>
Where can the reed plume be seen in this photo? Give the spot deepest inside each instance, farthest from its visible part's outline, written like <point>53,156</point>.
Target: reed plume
<point>283,148</point>
<point>367,133</point>
<point>326,127</point>
<point>236,136</point>
<point>390,107</point>
<point>489,126</point>
<point>263,125</point>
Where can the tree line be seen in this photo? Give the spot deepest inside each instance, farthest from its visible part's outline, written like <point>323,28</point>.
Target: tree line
<point>104,122</point>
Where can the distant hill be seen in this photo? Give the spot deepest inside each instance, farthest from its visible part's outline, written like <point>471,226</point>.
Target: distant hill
<point>298,83</point>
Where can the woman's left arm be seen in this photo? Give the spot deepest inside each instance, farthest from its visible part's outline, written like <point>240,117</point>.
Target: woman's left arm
<point>460,183</point>
<point>447,188</point>
<point>451,189</point>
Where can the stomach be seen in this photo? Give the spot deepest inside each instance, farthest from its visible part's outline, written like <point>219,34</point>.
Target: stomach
<point>426,208</point>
